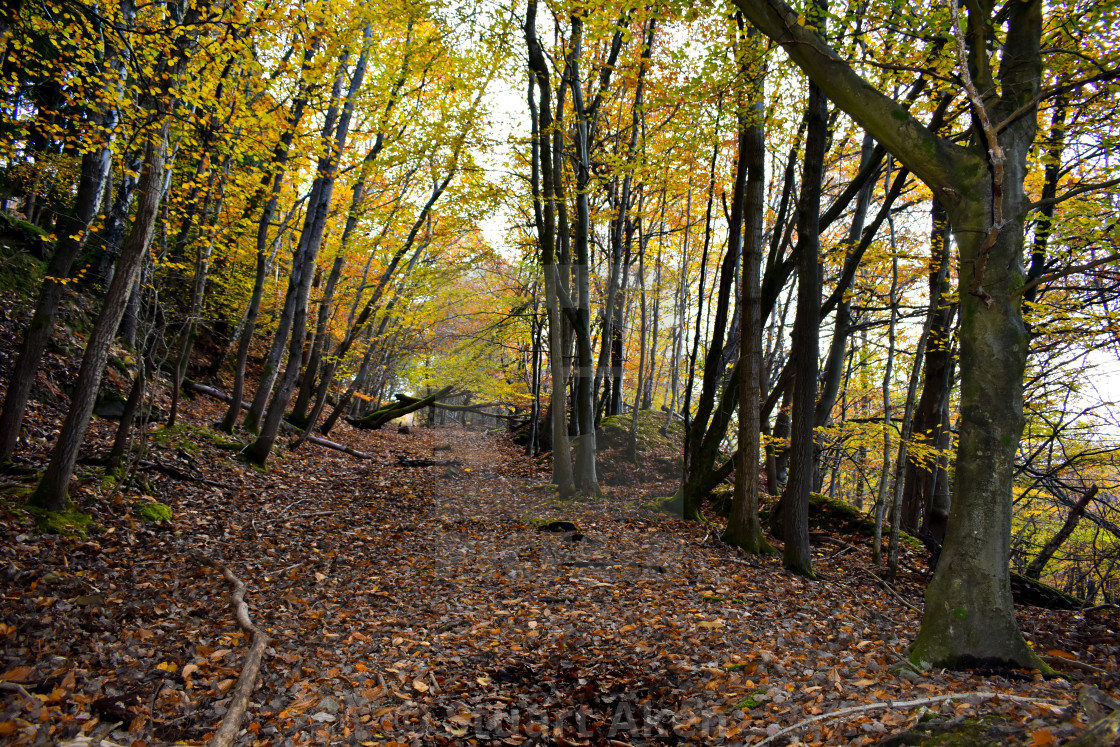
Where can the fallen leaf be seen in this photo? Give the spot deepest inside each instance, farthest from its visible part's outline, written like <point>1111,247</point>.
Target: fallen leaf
<point>17,674</point>
<point>1043,738</point>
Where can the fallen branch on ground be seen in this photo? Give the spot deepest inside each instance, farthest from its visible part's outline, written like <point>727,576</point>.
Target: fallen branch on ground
<point>1061,661</point>
<point>179,474</point>
<point>900,704</point>
<point>15,687</point>
<point>239,700</point>
<point>478,409</point>
<point>376,419</point>
<point>210,391</point>
<point>890,588</point>
<point>429,462</point>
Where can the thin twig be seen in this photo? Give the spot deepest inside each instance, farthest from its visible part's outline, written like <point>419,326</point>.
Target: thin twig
<point>1075,269</point>
<point>890,588</point>
<point>284,510</point>
<point>17,688</point>
<point>1061,661</point>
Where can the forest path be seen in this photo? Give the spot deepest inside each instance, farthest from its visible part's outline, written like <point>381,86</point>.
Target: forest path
<point>422,605</point>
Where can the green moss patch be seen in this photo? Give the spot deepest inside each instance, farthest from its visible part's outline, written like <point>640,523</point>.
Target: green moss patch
<point>672,505</point>
<point>68,523</point>
<point>750,701</point>
<point>614,432</point>
<point>157,512</point>
<point>186,437</point>
<point>19,271</point>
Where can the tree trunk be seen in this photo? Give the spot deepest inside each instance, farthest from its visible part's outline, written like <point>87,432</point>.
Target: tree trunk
<point>795,499</point>
<point>969,615</point>
<point>1034,570</point>
<point>586,479</point>
<point>743,527</point>
<point>303,266</point>
<point>73,232</point>
<point>123,438</point>
<point>51,493</point>
<point>376,419</point>
<point>917,492</point>
<point>264,225</point>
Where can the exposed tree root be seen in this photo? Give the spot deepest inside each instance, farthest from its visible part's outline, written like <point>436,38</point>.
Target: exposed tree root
<point>239,700</point>
<point>899,704</point>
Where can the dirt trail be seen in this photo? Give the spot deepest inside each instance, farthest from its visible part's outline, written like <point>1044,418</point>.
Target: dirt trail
<point>422,605</point>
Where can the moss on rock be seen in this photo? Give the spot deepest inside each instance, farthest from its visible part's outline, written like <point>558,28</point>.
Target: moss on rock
<point>157,512</point>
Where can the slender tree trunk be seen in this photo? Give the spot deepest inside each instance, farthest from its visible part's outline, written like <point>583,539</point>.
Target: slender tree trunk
<point>907,430</point>
<point>132,406</point>
<point>51,492</point>
<point>1038,564</point>
<point>249,322</point>
<point>543,128</point>
<point>795,499</point>
<point>299,414</point>
<point>834,361</point>
<point>888,371</point>
<point>918,489</point>
<point>276,350</point>
<point>198,290</point>
<point>693,436</point>
<point>587,481</point>
<point>95,169</point>
<point>743,527</point>
<point>303,266</point>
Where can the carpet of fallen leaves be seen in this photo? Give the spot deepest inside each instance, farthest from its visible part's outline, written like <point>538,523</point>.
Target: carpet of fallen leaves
<point>424,606</point>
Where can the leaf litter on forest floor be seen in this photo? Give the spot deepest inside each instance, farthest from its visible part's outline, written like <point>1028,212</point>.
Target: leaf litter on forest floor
<point>418,606</point>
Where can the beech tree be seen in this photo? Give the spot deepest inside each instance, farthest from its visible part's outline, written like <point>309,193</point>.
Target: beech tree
<point>969,614</point>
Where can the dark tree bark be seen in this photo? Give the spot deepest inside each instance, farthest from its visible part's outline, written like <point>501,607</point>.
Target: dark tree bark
<point>743,527</point>
<point>95,168</point>
<point>51,492</point>
<point>73,230</point>
<point>917,492</point>
<point>274,176</point>
<point>563,476</point>
<point>586,479</point>
<point>303,266</point>
<point>795,499</point>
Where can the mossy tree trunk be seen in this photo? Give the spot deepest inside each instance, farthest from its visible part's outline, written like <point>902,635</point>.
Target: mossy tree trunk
<point>969,614</point>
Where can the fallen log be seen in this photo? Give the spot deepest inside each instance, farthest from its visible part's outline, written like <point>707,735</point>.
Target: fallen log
<point>223,397</point>
<point>378,418</point>
<point>476,409</point>
<point>239,700</point>
<point>429,462</point>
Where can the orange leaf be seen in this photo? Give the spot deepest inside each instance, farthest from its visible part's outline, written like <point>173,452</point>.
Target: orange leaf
<point>16,674</point>
<point>1043,738</point>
